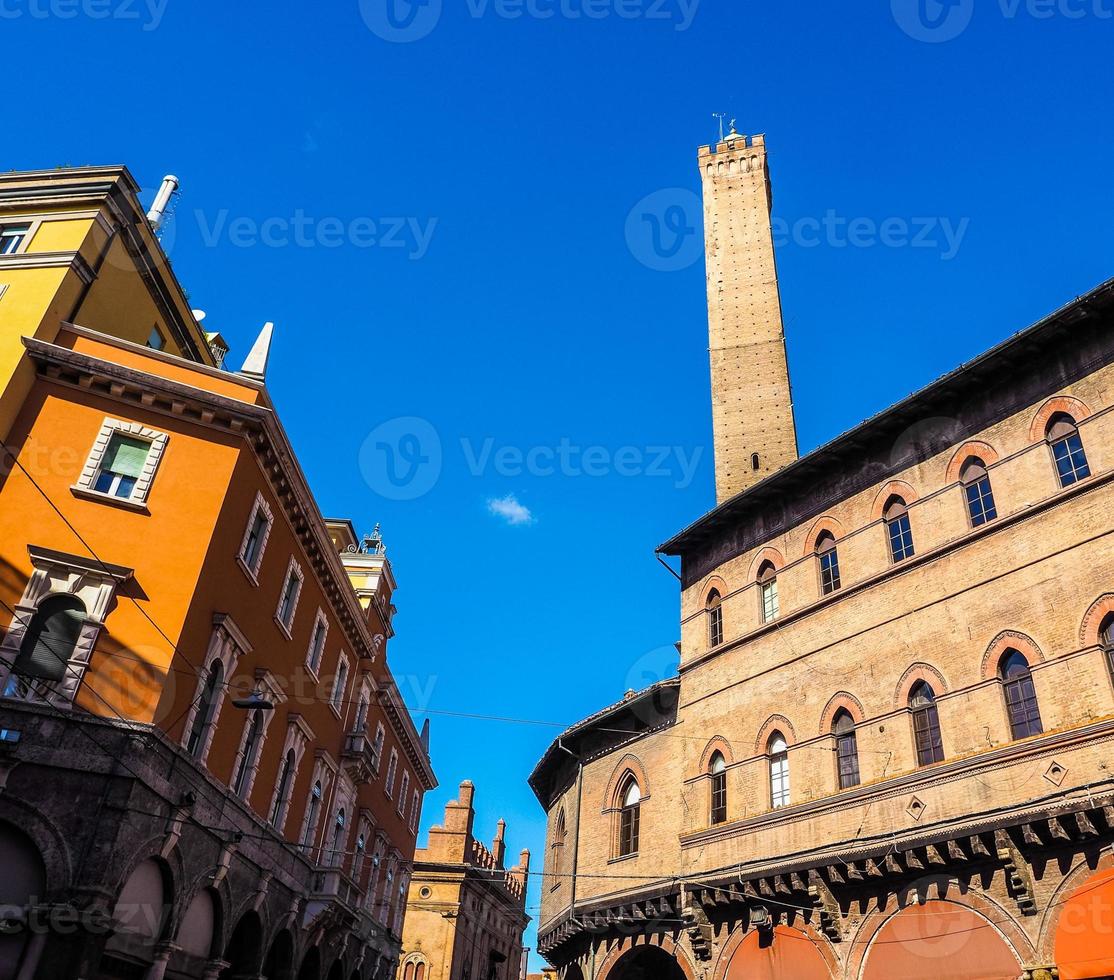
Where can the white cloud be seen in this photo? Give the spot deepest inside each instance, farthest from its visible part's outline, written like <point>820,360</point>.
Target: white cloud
<point>510,510</point>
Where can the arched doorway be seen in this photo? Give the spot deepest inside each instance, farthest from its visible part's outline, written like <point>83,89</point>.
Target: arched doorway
<point>936,939</point>
<point>142,911</point>
<point>245,947</point>
<point>21,885</point>
<point>279,964</point>
<point>1085,930</point>
<point>646,963</point>
<point>337,971</point>
<point>784,954</point>
<point>311,966</point>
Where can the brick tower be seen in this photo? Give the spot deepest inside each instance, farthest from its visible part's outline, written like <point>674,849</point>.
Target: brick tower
<point>752,405</point>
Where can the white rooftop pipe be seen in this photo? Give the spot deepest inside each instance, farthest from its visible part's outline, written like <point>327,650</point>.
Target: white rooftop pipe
<point>162,199</point>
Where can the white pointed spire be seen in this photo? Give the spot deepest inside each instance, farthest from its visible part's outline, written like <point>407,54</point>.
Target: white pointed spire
<point>255,364</point>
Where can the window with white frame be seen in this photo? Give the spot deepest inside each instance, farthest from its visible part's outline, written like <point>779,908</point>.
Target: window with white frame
<point>340,685</point>
<point>313,812</point>
<point>317,642</point>
<point>255,535</point>
<point>392,767</point>
<point>403,792</point>
<point>415,801</point>
<point>288,598</point>
<point>12,237</point>
<point>122,462</point>
<point>248,756</point>
<point>226,645</point>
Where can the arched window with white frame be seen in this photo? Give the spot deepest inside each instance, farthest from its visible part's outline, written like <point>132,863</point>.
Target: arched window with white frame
<point>778,751</point>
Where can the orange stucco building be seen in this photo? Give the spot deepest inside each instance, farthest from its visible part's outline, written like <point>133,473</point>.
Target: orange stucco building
<point>188,649</point>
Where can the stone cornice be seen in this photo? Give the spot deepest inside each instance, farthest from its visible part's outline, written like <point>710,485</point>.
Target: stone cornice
<point>49,260</point>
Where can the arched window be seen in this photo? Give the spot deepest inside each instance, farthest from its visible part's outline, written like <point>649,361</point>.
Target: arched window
<point>1067,449</point>
<point>250,751</point>
<point>358,858</point>
<point>282,793</point>
<point>557,849</point>
<point>778,752</point>
<point>718,771</point>
<point>767,591</point>
<point>311,814</point>
<point>898,529</point>
<point>631,804</point>
<point>755,462</point>
<point>714,606</point>
<point>48,644</point>
<point>926,724</point>
<point>1020,695</point>
<point>847,749</point>
<point>408,972</point>
<point>977,489</point>
<point>203,718</point>
<point>419,974</point>
<point>828,557</point>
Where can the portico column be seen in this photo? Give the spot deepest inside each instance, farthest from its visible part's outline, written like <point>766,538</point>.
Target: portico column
<point>163,952</point>
<point>213,969</point>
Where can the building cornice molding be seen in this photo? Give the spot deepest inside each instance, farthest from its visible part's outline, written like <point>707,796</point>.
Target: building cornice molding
<point>49,260</point>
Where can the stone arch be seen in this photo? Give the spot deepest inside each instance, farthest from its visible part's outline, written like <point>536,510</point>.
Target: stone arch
<point>23,885</point>
<point>775,723</point>
<point>197,917</point>
<point>45,835</point>
<point>245,948</point>
<point>958,910</point>
<point>918,672</point>
<point>1068,404</point>
<point>281,956</point>
<point>771,555</point>
<point>712,582</point>
<point>795,934</point>
<point>821,524</point>
<point>852,704</point>
<point>1093,617</point>
<point>1008,640</point>
<point>632,764</point>
<point>898,488</point>
<point>983,450</point>
<point>136,875</point>
<point>1080,874</point>
<point>628,945</point>
<point>717,743</point>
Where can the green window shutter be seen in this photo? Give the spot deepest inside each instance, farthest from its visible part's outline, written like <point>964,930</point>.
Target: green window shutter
<point>126,456</point>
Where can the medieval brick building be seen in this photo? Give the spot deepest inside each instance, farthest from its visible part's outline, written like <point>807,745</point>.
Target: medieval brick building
<point>206,769</point>
<point>466,910</point>
<point>887,751</point>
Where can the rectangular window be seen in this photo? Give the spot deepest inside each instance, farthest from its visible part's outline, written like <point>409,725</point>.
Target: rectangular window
<point>629,819</point>
<point>317,642</point>
<point>980,502</point>
<point>288,601</point>
<point>926,733</point>
<point>779,780</point>
<point>256,538</point>
<point>11,237</point>
<point>770,608</point>
<point>719,798</point>
<point>340,684</point>
<point>829,571</point>
<point>414,801</point>
<point>901,538</point>
<point>847,754</point>
<point>156,341</point>
<point>121,465</point>
<point>392,766</point>
<point>403,791</point>
<point>1071,460</point>
<point>715,625</point>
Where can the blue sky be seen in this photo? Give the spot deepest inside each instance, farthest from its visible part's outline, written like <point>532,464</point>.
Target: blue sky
<point>448,230</point>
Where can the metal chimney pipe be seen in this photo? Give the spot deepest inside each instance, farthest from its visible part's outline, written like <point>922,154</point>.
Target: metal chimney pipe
<point>162,199</point>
